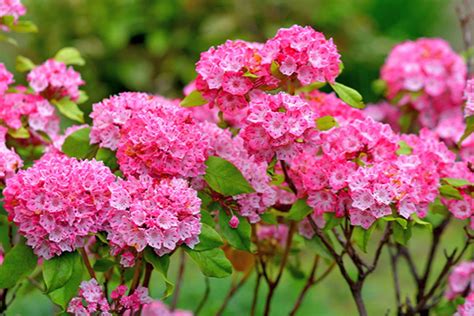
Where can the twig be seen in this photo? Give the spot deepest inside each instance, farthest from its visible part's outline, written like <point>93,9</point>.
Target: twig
<point>137,273</point>
<point>255,292</point>
<point>148,273</point>
<point>233,289</point>
<point>179,280</point>
<point>203,301</point>
<point>87,263</point>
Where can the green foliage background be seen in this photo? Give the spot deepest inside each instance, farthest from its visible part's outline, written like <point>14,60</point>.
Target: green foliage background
<point>148,45</point>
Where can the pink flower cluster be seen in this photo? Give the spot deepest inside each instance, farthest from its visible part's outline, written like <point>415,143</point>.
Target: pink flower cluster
<point>158,308</point>
<point>461,280</point>
<point>427,75</point>
<point>6,78</point>
<point>469,97</point>
<point>304,53</point>
<point>54,80</point>
<point>467,309</point>
<point>162,141</point>
<point>9,160</point>
<point>92,300</point>
<point>111,114</point>
<point>277,124</point>
<point>254,171</point>
<point>58,202</point>
<point>12,8</point>
<point>359,174</point>
<point>161,214</point>
<point>275,235</point>
<point>384,112</point>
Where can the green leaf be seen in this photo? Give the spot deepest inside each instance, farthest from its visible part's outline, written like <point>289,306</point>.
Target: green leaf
<point>103,265</point>
<point>457,183</point>
<point>69,109</point>
<point>421,223</point>
<point>299,210</point>
<point>8,39</point>
<point>63,295</point>
<point>213,263</point>
<point>469,128</point>
<point>361,236</point>
<point>348,95</point>
<point>19,262</point>
<point>237,237</point>
<point>317,245</point>
<point>108,157</point>
<point>401,235</point>
<point>208,239</point>
<point>404,148</point>
<point>24,27</point>
<point>77,144</point>
<point>224,178</point>
<point>21,133</point>
<point>275,70</point>
<point>70,56</point>
<point>57,271</point>
<point>83,97</point>
<point>7,20</point>
<point>326,123</point>
<point>379,86</point>
<point>437,207</point>
<point>160,264</point>
<point>24,64</point>
<point>269,218</point>
<point>401,221</point>
<point>248,74</point>
<point>331,221</point>
<point>450,192</point>
<point>195,98</point>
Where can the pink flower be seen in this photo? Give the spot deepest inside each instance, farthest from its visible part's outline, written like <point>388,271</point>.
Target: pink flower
<point>460,280</point>
<point>6,78</point>
<point>58,202</point>
<point>467,309</point>
<point>12,8</point>
<point>161,214</point>
<point>426,75</point>
<point>469,96</point>
<point>54,80</point>
<point>158,308</point>
<point>234,222</point>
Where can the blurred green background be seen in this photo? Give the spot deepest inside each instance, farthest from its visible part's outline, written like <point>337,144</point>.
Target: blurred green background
<point>146,45</point>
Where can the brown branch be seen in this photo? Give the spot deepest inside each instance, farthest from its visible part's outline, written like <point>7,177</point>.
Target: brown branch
<point>179,280</point>
<point>233,289</point>
<point>87,263</point>
<point>148,273</point>
<point>255,292</point>
<point>137,273</point>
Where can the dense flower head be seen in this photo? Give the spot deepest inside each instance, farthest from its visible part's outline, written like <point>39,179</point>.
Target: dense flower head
<point>303,53</point>
<point>273,235</point>
<point>469,97</point>
<point>54,80</point>
<point>467,309</point>
<point>460,280</point>
<point>357,172</point>
<point>109,115</point>
<point>384,112</point>
<point>162,214</point>
<point>12,8</point>
<point>328,104</point>
<point>92,300</point>
<point>38,112</point>
<point>427,75</point>
<point>277,124</point>
<point>6,78</point>
<point>254,171</point>
<point>9,160</point>
<point>158,308</point>
<point>58,202</point>
<point>162,141</point>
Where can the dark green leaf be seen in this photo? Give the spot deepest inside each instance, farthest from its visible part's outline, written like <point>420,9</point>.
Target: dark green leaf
<point>70,56</point>
<point>224,178</point>
<point>361,236</point>
<point>456,182</point>
<point>421,223</point>
<point>57,271</point>
<point>213,263</point>
<point>108,157</point>
<point>77,144</point>
<point>469,128</point>
<point>450,192</point>
<point>160,264</point>
<point>237,237</point>
<point>195,98</point>
<point>103,265</point>
<point>63,295</point>
<point>401,221</point>
<point>69,109</point>
<point>331,221</point>
<point>326,123</point>
<point>348,95</point>
<point>401,235</point>
<point>19,262</point>
<point>208,239</point>
<point>299,210</point>
<point>21,133</point>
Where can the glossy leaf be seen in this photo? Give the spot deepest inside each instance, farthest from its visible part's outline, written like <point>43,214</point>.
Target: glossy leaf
<point>224,178</point>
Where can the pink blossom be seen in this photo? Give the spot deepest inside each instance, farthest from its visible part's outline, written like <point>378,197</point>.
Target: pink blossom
<point>273,234</point>
<point>234,222</point>
<point>12,8</point>
<point>426,75</point>
<point>6,78</point>
<point>469,96</point>
<point>467,309</point>
<point>460,280</point>
<point>161,214</point>
<point>10,162</point>
<point>58,202</point>
<point>54,80</point>
<point>158,308</point>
